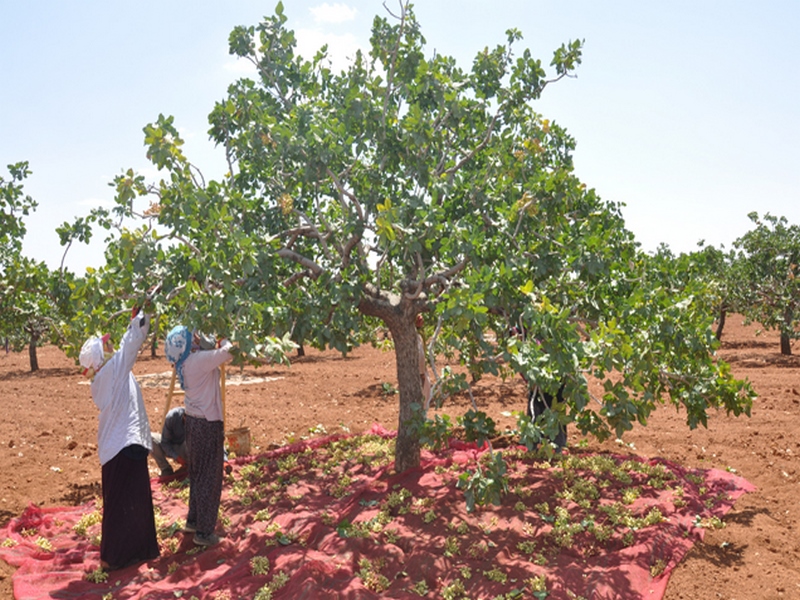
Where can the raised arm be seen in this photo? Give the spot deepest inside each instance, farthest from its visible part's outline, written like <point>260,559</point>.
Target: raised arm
<point>133,339</point>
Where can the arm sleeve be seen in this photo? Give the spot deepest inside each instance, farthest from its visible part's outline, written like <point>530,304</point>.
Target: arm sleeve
<point>133,339</point>
<point>208,360</point>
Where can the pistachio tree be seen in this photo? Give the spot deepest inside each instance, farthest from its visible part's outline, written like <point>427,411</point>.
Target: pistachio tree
<point>25,303</point>
<point>768,260</point>
<point>408,184</point>
<point>34,300</point>
<point>728,280</point>
<point>715,269</point>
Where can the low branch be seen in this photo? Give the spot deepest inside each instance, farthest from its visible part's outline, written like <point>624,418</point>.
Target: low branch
<point>175,292</point>
<point>420,284</point>
<point>305,230</point>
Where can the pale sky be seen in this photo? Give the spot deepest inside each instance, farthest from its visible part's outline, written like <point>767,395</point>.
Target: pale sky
<point>688,112</point>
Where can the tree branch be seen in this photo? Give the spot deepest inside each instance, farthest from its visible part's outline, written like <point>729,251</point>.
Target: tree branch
<point>447,274</point>
<point>348,248</point>
<point>477,148</point>
<point>314,268</point>
<point>189,244</point>
<point>391,70</point>
<point>343,193</point>
<point>289,281</point>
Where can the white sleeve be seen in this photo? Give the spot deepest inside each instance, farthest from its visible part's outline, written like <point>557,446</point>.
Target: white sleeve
<point>132,340</point>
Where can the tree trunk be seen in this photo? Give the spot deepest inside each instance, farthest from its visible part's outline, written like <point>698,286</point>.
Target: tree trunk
<point>786,347</point>
<point>154,332</point>
<point>398,314</point>
<point>407,450</point>
<point>723,313</point>
<point>32,353</point>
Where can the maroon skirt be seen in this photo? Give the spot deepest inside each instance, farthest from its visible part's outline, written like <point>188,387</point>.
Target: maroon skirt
<point>129,525</point>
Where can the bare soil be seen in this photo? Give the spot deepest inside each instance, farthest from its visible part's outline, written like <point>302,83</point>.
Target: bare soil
<point>48,452</point>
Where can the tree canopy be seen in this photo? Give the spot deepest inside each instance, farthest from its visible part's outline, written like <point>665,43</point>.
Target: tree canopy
<point>402,185</point>
<point>14,207</point>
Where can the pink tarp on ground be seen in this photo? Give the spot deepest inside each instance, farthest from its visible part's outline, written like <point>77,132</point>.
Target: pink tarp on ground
<point>333,521</point>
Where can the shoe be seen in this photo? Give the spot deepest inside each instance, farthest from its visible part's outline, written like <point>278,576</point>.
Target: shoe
<point>211,539</point>
<point>189,527</point>
<point>167,472</point>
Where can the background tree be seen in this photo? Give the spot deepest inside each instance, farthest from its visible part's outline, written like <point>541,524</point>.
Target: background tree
<point>406,185</point>
<point>31,296</point>
<point>768,259</point>
<point>720,269</point>
<point>14,206</point>
<point>32,302</point>
<point>717,269</point>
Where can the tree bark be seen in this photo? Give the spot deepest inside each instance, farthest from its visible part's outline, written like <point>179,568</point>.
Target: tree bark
<point>407,447</point>
<point>34,360</point>
<point>786,346</point>
<point>398,313</point>
<point>154,322</point>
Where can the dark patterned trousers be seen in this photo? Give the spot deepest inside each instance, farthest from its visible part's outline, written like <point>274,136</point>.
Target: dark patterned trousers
<point>206,440</point>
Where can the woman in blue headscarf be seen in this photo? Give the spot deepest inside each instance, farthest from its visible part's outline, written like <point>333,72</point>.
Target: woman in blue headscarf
<point>197,364</point>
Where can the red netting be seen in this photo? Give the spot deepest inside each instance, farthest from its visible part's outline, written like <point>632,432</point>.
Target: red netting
<point>327,518</point>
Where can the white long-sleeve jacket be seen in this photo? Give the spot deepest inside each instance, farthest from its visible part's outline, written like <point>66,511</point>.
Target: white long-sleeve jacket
<point>115,391</point>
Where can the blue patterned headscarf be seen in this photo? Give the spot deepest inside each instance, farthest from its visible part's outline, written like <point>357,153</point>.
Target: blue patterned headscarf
<point>178,347</point>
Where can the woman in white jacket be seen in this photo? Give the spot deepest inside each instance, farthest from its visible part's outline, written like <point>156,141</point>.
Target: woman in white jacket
<point>123,445</point>
<point>197,366</point>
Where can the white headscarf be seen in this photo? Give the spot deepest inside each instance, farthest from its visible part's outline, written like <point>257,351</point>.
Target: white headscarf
<point>92,355</point>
